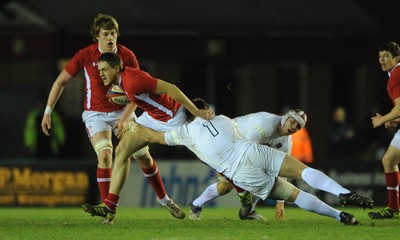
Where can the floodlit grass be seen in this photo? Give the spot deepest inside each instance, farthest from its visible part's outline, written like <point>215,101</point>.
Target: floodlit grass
<point>156,223</point>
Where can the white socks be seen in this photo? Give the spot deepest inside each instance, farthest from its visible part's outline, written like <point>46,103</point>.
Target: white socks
<point>319,180</point>
<point>311,203</point>
<point>209,194</point>
<point>255,200</point>
<point>164,201</point>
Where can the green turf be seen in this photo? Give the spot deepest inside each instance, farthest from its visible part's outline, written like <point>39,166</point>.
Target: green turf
<point>156,223</point>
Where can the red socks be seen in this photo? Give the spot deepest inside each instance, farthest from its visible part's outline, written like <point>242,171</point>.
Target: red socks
<point>112,201</point>
<point>103,176</point>
<point>392,185</point>
<point>153,176</point>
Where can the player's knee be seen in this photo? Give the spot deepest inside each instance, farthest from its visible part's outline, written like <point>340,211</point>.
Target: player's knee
<point>104,160</point>
<point>283,190</point>
<point>224,187</point>
<point>295,193</point>
<point>104,149</point>
<point>145,160</point>
<point>389,164</point>
<point>389,160</point>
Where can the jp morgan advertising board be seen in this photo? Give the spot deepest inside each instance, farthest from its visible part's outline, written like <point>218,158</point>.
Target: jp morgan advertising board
<point>57,183</point>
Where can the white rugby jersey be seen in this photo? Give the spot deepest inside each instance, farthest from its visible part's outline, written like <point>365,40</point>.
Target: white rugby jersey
<point>215,142</point>
<point>218,144</point>
<point>262,127</point>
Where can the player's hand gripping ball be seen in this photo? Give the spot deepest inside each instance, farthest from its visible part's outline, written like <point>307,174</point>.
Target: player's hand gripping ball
<point>116,95</point>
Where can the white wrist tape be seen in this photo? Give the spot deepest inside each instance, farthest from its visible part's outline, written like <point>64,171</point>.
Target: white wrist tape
<point>132,125</point>
<point>48,110</point>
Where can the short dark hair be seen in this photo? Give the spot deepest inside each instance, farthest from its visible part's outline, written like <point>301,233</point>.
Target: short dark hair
<point>200,104</point>
<point>111,58</point>
<point>391,47</point>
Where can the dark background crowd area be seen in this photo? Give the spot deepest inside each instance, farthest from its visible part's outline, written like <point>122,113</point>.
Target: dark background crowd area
<point>240,56</point>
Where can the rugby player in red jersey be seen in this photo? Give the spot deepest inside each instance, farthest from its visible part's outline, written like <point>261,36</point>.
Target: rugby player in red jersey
<point>100,116</point>
<point>164,107</point>
<point>389,59</point>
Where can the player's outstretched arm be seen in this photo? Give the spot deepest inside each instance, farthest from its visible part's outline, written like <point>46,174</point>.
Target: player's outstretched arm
<point>174,92</point>
<point>147,134</point>
<point>56,90</point>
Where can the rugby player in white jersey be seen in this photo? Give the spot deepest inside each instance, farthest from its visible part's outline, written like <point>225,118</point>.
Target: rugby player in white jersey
<point>249,165</point>
<point>264,128</point>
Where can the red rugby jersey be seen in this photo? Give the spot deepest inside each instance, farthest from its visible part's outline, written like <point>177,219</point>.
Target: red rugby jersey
<point>140,88</point>
<point>393,85</point>
<point>95,92</point>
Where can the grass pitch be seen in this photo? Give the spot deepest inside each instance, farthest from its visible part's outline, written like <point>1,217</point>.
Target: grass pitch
<point>216,223</point>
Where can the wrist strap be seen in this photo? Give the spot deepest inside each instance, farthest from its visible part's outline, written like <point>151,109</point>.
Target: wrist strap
<point>48,110</point>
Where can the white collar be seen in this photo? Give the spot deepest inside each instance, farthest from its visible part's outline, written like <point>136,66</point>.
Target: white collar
<point>119,79</point>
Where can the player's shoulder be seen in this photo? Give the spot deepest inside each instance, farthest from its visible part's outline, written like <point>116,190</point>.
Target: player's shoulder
<point>124,50</point>
<point>88,52</point>
<point>89,49</point>
<point>135,76</point>
<point>135,72</point>
<point>266,116</point>
<point>268,121</point>
<point>395,72</point>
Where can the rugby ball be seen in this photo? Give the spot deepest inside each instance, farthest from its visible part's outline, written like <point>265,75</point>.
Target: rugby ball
<point>116,95</point>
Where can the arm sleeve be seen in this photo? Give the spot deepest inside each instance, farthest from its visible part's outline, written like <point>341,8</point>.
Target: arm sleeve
<point>75,66</point>
<point>179,136</point>
<point>144,83</point>
<point>170,138</point>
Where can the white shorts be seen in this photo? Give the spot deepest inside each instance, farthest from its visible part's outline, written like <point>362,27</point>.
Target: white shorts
<point>259,169</point>
<point>396,140</point>
<point>178,120</point>
<point>96,122</point>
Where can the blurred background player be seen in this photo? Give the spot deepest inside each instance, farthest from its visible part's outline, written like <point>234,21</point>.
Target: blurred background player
<point>264,128</point>
<point>341,136</point>
<point>39,144</point>
<point>302,146</point>
<point>389,59</point>
<point>100,115</point>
